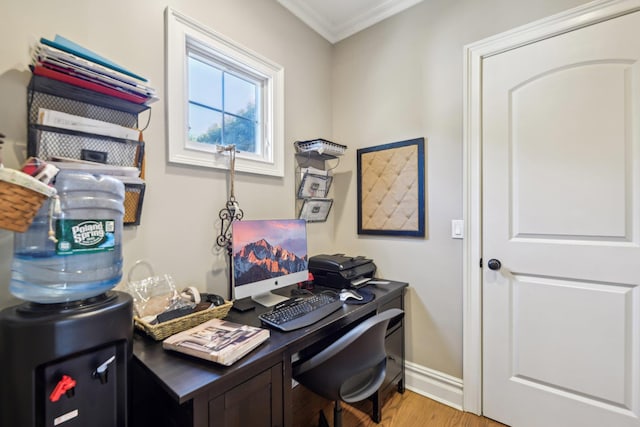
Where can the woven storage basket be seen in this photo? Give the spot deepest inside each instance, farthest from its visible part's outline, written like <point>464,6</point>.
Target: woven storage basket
<point>170,327</point>
<point>21,196</point>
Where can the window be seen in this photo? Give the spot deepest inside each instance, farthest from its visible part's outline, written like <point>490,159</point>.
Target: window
<point>222,106</point>
<point>219,93</point>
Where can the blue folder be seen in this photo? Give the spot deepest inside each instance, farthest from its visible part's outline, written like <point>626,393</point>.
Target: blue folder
<point>68,46</point>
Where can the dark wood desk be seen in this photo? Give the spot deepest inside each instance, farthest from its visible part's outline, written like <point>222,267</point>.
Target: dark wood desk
<point>172,389</point>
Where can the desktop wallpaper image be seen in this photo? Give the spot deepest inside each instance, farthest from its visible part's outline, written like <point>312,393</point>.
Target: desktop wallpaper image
<point>267,249</point>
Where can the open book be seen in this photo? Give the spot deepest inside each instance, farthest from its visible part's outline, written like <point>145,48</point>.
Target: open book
<point>217,340</point>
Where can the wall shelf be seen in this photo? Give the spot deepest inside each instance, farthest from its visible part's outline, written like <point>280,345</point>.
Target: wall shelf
<point>65,90</point>
<point>47,141</point>
<point>314,178</point>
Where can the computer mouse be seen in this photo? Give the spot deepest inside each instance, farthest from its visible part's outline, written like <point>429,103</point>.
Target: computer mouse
<point>213,299</point>
<point>345,294</point>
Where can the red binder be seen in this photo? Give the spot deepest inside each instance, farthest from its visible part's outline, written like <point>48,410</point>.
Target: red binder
<point>63,77</point>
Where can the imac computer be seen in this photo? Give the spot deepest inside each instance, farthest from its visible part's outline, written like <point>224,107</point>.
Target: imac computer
<point>268,255</point>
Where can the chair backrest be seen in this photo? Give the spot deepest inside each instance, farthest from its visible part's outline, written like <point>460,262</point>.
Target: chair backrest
<point>352,367</point>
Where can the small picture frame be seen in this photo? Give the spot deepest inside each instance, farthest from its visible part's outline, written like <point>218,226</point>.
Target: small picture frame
<point>315,210</point>
<point>313,185</point>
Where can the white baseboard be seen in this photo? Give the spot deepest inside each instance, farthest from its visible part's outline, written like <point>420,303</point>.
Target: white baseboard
<point>433,384</point>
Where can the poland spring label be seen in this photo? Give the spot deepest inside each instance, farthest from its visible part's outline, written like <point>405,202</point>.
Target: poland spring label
<point>84,236</point>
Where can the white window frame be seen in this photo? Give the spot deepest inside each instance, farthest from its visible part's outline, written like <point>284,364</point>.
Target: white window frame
<point>181,30</point>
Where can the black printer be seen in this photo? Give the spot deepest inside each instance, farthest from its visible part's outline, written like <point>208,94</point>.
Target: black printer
<point>341,271</point>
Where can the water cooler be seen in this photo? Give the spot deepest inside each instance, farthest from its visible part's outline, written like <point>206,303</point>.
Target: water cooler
<point>66,364</point>
<point>65,351</point>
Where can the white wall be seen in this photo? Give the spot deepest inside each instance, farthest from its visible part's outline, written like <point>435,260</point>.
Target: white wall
<point>402,79</point>
<point>180,213</point>
<point>398,80</point>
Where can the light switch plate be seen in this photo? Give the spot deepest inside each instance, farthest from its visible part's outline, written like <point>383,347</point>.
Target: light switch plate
<point>457,229</point>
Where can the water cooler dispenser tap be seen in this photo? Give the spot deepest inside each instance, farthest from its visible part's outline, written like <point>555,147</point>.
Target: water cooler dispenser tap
<point>66,385</point>
<point>102,370</point>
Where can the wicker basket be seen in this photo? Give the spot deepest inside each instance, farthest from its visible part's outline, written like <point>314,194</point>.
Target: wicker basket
<point>163,330</point>
<point>21,196</point>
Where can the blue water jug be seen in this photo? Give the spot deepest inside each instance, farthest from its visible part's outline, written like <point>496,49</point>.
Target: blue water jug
<point>85,258</point>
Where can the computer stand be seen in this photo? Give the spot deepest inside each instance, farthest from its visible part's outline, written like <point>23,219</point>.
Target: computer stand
<point>268,299</point>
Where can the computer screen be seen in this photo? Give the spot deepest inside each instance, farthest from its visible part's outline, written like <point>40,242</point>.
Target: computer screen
<point>268,255</point>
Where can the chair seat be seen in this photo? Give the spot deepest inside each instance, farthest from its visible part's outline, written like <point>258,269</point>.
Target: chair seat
<point>351,368</point>
<point>364,384</point>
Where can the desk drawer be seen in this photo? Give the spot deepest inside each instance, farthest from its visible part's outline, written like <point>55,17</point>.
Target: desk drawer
<point>256,402</point>
<point>394,303</point>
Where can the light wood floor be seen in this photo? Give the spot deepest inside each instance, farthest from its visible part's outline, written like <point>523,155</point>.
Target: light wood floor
<point>400,410</point>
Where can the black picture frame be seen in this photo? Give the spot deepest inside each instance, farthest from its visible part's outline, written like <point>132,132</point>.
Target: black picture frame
<point>385,173</point>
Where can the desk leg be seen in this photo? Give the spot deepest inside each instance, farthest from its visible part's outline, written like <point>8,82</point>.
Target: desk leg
<point>376,412</point>
<point>200,411</point>
<point>287,395</point>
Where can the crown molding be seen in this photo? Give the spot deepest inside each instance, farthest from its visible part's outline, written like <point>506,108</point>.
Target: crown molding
<point>316,16</point>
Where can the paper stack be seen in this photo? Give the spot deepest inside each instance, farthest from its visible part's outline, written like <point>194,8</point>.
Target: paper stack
<point>63,60</point>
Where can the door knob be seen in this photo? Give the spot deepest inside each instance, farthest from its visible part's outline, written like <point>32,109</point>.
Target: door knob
<point>494,264</point>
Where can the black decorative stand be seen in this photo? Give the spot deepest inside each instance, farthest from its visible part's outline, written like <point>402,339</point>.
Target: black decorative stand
<point>227,215</point>
<point>230,213</point>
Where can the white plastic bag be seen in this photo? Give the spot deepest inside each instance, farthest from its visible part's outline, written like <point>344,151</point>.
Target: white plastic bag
<point>153,294</point>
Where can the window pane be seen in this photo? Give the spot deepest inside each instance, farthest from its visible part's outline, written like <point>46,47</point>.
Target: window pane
<point>205,84</point>
<point>196,61</point>
<point>240,96</point>
<point>205,125</point>
<point>241,132</point>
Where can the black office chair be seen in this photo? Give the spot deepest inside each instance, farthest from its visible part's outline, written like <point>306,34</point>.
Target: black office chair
<point>351,368</point>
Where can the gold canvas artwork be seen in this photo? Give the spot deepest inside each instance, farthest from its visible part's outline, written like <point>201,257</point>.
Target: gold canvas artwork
<point>391,191</point>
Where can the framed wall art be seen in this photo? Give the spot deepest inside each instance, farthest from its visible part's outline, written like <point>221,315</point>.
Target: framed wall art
<point>391,184</point>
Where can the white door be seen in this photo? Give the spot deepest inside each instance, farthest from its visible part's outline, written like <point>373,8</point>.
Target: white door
<point>561,213</point>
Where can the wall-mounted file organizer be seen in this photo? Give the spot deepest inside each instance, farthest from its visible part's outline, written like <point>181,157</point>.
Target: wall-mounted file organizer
<point>133,198</point>
<point>314,177</point>
<point>48,142</point>
<point>53,142</point>
<point>320,146</point>
<point>86,102</point>
<point>314,184</point>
